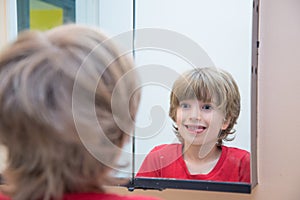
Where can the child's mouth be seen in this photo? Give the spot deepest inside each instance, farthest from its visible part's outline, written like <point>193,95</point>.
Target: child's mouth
<point>196,129</point>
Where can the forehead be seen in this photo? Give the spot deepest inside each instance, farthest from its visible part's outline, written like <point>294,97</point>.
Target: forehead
<point>185,89</point>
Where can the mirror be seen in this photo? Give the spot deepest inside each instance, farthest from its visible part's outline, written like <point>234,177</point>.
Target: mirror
<point>167,35</point>
<point>167,38</point>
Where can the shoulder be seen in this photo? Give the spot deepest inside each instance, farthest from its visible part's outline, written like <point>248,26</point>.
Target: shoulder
<point>96,196</point>
<point>2,197</point>
<point>234,152</point>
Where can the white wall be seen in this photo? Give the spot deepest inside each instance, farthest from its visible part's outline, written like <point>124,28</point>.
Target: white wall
<point>8,21</point>
<point>113,16</point>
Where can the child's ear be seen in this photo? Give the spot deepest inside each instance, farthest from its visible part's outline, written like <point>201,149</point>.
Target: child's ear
<point>226,123</point>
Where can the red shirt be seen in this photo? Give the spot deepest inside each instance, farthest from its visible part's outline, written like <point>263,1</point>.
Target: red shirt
<point>96,196</point>
<point>166,161</point>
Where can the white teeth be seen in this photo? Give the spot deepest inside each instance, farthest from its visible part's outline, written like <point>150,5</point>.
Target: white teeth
<point>193,128</point>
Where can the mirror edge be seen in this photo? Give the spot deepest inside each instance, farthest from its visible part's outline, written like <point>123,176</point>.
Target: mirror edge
<point>254,70</point>
<point>162,184</point>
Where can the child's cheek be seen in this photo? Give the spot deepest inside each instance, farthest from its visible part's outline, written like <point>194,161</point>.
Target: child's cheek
<point>179,115</point>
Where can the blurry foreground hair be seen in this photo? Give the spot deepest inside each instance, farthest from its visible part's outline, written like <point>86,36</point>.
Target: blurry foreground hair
<point>67,104</point>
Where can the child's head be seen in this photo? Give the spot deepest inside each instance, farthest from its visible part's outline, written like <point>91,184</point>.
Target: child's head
<point>38,75</point>
<point>209,85</point>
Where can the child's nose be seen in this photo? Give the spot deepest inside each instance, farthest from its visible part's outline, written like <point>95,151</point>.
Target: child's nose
<point>195,113</point>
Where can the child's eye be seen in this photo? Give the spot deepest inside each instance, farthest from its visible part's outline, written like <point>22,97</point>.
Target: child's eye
<point>184,105</point>
<point>207,107</point>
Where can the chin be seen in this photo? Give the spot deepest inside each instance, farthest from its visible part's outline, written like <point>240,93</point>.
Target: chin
<point>193,142</point>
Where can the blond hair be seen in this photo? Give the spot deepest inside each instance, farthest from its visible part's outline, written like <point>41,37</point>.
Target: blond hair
<point>38,74</point>
<point>208,85</point>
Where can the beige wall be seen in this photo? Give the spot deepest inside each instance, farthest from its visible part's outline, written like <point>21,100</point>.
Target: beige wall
<point>278,110</point>
<point>3,35</point>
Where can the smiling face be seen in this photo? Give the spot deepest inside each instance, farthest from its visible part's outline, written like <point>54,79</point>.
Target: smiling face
<point>206,85</point>
<point>198,122</point>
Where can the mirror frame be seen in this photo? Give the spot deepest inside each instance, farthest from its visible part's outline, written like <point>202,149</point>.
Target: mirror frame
<point>163,183</point>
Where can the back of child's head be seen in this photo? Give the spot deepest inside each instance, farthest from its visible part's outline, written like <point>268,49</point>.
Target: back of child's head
<point>52,85</point>
<point>209,85</point>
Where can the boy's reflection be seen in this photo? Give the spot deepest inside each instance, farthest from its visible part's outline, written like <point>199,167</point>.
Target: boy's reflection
<point>204,104</point>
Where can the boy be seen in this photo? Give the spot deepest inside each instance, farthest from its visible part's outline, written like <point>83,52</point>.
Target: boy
<point>57,92</point>
<point>204,104</point>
